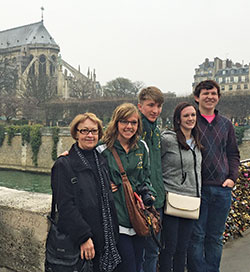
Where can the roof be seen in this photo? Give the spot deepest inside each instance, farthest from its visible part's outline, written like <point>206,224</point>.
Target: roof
<point>233,71</point>
<point>25,35</point>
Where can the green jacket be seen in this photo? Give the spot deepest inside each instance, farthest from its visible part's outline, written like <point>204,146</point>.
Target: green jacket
<point>151,135</point>
<point>136,165</point>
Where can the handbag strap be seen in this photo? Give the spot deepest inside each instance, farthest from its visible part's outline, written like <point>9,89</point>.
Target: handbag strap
<point>184,174</point>
<point>73,181</point>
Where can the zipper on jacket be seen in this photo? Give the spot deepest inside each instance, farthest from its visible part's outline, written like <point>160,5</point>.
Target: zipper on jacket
<point>195,172</point>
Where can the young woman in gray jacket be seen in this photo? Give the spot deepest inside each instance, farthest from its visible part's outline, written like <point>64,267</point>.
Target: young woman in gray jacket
<point>181,169</point>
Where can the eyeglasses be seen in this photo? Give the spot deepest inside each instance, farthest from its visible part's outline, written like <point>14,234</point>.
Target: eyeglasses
<point>125,122</point>
<point>86,131</point>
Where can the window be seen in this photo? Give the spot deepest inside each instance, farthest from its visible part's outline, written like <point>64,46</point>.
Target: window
<point>230,87</point>
<point>245,86</point>
<point>42,65</point>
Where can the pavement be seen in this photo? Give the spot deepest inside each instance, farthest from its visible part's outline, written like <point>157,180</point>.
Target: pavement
<point>236,254</point>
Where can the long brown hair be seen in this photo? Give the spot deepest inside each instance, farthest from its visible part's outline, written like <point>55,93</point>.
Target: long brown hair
<point>122,112</point>
<point>179,134</point>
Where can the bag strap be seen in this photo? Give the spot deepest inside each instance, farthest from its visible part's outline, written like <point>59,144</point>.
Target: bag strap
<point>73,181</point>
<point>184,175</point>
<point>118,161</point>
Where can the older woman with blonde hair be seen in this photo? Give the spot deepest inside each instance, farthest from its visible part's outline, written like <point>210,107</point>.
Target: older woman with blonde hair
<point>123,134</point>
<point>88,216</point>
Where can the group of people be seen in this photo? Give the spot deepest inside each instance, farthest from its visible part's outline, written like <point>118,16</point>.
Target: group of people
<point>199,154</point>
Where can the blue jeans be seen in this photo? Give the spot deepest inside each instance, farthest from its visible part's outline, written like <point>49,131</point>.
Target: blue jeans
<point>151,251</point>
<point>204,253</point>
<point>131,251</point>
<point>176,236</point>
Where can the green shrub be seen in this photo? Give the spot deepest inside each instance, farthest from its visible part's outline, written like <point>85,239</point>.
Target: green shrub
<point>2,134</point>
<point>11,131</point>
<point>35,141</point>
<point>239,133</point>
<point>25,133</point>
<point>55,137</point>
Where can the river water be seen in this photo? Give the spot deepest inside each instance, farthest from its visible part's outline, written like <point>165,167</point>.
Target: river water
<point>26,181</point>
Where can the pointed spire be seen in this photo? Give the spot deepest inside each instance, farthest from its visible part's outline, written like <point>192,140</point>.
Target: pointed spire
<point>88,73</point>
<point>79,68</point>
<point>42,9</point>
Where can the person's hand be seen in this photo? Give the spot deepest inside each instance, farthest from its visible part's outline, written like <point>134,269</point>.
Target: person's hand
<point>87,250</point>
<point>114,187</point>
<point>65,153</point>
<point>228,183</point>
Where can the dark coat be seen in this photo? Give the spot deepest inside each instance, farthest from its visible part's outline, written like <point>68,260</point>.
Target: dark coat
<point>86,221</point>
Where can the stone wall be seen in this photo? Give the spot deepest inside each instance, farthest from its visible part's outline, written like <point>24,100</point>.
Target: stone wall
<point>24,226</point>
<point>19,157</point>
<point>16,156</point>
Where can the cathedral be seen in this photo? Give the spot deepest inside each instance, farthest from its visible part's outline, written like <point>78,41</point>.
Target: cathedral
<point>33,51</point>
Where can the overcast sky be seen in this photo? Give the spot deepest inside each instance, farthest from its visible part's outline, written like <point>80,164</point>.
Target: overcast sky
<point>158,42</point>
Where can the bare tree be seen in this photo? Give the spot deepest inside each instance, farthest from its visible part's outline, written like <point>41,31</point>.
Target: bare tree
<point>9,103</point>
<point>122,87</point>
<point>38,90</point>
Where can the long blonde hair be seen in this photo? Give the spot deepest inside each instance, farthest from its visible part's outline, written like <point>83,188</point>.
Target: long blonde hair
<point>122,112</point>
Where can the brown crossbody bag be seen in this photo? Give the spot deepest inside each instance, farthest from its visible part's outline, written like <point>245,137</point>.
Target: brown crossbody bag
<point>145,220</point>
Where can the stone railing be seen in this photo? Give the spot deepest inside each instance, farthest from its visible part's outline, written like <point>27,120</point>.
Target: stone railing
<point>23,230</point>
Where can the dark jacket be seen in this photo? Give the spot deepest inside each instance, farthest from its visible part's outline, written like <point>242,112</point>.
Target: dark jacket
<point>152,136</point>
<point>220,155</point>
<point>86,221</point>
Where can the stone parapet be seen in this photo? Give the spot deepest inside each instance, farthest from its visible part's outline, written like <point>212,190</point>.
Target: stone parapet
<point>24,226</point>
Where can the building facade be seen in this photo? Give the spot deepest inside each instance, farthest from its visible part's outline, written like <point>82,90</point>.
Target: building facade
<point>232,77</point>
<point>34,52</point>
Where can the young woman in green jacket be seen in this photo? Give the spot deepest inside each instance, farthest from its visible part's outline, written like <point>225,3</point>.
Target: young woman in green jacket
<point>123,133</point>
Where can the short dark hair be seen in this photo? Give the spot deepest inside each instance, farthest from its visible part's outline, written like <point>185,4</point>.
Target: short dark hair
<point>207,85</point>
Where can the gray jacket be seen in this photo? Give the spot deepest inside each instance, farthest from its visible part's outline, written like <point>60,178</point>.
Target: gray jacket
<point>179,177</point>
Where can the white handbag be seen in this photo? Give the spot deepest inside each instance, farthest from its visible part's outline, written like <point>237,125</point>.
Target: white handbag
<point>182,206</point>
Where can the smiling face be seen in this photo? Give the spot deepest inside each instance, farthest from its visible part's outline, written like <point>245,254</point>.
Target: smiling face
<point>208,99</point>
<point>127,128</point>
<point>150,109</point>
<point>89,141</point>
<point>187,119</point>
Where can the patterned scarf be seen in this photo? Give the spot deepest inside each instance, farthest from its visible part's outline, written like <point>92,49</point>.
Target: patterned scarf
<point>110,257</point>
